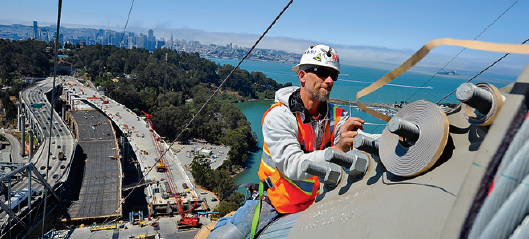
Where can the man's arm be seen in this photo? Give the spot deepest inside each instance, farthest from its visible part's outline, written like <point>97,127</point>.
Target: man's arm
<point>280,134</point>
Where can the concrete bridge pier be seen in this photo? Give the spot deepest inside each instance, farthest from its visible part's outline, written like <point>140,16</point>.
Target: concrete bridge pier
<point>22,123</point>
<point>30,143</point>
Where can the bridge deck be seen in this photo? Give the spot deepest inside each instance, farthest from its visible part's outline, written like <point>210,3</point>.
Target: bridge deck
<point>100,192</point>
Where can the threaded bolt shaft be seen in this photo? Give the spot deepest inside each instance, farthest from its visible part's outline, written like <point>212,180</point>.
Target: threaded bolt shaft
<point>366,143</point>
<point>476,97</point>
<point>314,168</point>
<point>338,157</point>
<point>403,128</point>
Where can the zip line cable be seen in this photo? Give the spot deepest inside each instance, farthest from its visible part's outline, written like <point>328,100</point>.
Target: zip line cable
<point>126,23</point>
<point>450,61</point>
<point>51,111</point>
<point>494,63</point>
<point>211,97</point>
<point>236,67</point>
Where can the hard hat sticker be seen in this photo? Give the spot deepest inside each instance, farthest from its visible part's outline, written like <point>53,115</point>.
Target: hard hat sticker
<point>335,58</point>
<point>318,57</point>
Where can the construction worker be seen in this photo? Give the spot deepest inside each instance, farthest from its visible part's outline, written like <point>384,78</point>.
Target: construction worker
<point>298,127</point>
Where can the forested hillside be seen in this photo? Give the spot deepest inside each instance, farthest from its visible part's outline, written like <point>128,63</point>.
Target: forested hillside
<point>18,60</point>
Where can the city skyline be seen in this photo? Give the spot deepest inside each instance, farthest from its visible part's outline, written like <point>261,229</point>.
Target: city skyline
<point>88,36</point>
<point>130,40</point>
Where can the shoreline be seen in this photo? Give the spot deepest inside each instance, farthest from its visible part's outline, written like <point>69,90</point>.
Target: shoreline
<point>239,172</point>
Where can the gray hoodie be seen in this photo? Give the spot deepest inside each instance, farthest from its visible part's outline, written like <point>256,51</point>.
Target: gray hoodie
<point>280,132</point>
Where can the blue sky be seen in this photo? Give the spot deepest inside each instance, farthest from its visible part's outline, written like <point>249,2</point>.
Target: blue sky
<point>384,24</point>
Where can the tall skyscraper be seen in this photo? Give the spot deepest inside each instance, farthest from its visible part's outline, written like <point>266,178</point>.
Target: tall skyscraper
<point>141,41</point>
<point>171,41</point>
<point>108,36</point>
<point>151,41</point>
<point>131,42</point>
<point>35,30</point>
<point>118,36</point>
<point>45,35</point>
<point>151,33</point>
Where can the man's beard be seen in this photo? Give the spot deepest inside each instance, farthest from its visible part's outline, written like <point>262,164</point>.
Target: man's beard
<point>321,96</point>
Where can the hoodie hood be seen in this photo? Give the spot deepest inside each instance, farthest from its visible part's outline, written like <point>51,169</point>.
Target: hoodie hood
<point>283,94</point>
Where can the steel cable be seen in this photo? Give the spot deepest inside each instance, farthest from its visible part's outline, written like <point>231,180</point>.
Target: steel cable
<point>126,23</point>
<point>51,110</point>
<point>522,231</point>
<point>504,186</point>
<point>511,213</point>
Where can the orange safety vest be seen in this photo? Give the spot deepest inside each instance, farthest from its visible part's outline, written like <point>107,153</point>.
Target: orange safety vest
<point>291,196</point>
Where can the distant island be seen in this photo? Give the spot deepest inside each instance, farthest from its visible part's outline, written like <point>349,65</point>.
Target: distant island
<point>448,73</point>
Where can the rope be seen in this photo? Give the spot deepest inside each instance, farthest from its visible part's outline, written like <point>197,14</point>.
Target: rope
<point>509,8</point>
<point>211,97</point>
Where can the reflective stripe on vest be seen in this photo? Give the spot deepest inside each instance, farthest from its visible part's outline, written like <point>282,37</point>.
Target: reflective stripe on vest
<point>290,196</point>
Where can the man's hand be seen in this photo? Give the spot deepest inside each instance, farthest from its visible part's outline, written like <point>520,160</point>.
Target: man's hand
<point>348,131</point>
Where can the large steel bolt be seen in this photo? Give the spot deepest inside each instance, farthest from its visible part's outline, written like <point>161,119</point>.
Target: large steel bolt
<point>476,97</point>
<point>335,175</point>
<point>366,144</point>
<point>405,129</point>
<point>354,163</point>
<point>326,173</point>
<point>360,165</point>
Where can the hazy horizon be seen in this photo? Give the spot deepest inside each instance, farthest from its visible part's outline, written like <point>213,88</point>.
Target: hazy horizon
<point>359,55</point>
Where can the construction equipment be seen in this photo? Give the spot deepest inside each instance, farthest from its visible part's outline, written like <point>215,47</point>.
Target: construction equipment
<point>102,227</point>
<point>184,218</point>
<point>160,167</point>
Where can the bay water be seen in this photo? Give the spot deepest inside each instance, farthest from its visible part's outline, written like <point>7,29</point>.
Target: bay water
<point>409,87</point>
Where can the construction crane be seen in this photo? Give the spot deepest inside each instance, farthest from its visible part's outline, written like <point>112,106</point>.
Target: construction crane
<point>148,116</point>
<point>161,163</point>
<point>185,218</point>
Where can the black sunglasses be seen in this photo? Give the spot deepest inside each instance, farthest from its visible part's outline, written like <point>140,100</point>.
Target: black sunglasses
<point>323,72</point>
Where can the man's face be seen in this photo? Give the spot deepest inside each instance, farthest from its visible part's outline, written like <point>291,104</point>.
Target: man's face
<point>319,82</point>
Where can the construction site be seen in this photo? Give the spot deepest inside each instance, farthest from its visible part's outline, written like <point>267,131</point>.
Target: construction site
<point>119,173</point>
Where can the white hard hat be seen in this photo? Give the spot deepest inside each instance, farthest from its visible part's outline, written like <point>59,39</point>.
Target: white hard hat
<point>319,55</point>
